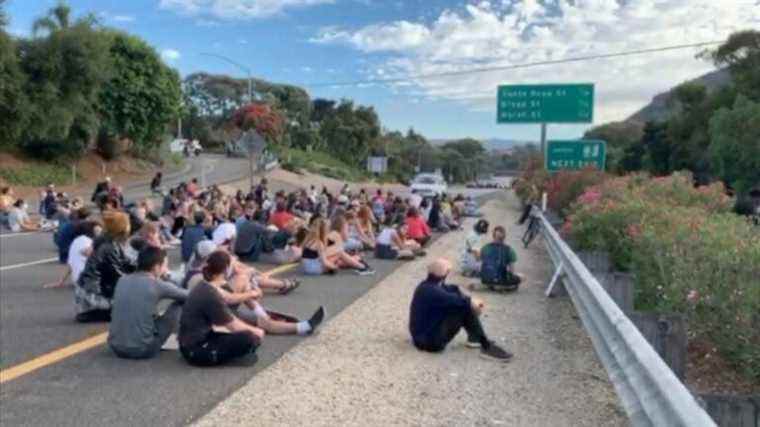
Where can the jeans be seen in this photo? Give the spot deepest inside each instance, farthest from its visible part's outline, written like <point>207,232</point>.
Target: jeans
<point>385,252</point>
<point>220,348</point>
<point>166,324</point>
<point>312,267</point>
<point>450,327</point>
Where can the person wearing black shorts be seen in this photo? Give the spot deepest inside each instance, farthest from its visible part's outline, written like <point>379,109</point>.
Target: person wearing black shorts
<point>205,309</point>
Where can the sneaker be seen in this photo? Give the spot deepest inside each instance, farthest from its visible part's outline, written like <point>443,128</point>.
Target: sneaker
<point>316,319</point>
<point>472,344</point>
<point>495,353</point>
<point>366,271</point>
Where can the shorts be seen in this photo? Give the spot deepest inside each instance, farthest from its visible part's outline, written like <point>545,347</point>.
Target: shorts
<point>280,256</point>
<point>251,315</point>
<point>312,267</point>
<point>351,244</point>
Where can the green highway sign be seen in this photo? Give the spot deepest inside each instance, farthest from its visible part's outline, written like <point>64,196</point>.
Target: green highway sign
<point>574,155</point>
<point>554,103</point>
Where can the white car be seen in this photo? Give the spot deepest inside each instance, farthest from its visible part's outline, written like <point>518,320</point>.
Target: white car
<point>429,185</point>
<point>179,145</point>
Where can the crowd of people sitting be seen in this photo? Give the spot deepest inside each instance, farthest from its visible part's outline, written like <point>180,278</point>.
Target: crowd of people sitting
<point>117,257</point>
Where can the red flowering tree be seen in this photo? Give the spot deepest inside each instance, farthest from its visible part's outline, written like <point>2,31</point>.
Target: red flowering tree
<point>262,118</point>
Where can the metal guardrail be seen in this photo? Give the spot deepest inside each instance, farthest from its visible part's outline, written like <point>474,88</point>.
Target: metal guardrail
<point>650,392</point>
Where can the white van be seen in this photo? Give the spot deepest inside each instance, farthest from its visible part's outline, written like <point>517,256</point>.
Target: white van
<point>429,185</point>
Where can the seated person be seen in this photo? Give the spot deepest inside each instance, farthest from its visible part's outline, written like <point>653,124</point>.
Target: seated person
<point>281,216</point>
<point>286,249</point>
<point>205,313</point>
<point>439,311</point>
<point>194,233</point>
<point>470,259</point>
<point>206,247</point>
<point>497,263</point>
<point>6,202</point>
<point>136,332</point>
<point>67,233</point>
<point>225,233</point>
<point>319,258</point>
<point>18,218</point>
<point>418,229</point>
<point>392,244</point>
<point>471,208</point>
<point>249,243</point>
<point>363,227</point>
<point>84,235</point>
<point>94,290</point>
<point>340,234</point>
<point>251,311</point>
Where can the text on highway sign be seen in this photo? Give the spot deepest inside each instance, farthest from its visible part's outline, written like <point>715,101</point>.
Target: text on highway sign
<point>546,103</point>
<point>576,154</point>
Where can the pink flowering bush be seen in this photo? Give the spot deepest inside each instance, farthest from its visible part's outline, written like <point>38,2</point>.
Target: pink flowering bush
<point>688,252</point>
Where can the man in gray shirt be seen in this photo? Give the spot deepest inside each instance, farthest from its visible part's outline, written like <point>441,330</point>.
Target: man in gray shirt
<point>136,332</point>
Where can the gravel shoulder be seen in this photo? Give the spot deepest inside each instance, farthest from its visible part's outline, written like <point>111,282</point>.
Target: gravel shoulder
<point>362,369</point>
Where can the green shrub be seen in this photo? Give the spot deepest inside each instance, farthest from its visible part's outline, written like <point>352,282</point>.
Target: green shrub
<point>688,253</point>
<point>38,175</point>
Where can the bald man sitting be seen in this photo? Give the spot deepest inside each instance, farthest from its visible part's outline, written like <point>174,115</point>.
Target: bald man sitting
<point>439,311</point>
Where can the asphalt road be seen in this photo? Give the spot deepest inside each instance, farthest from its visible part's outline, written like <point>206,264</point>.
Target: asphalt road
<point>94,387</point>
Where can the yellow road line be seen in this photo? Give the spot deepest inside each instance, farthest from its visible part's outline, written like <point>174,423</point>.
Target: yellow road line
<point>60,354</point>
<point>52,357</point>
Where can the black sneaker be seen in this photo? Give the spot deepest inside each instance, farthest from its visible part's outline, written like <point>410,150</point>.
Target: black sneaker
<point>316,319</point>
<point>495,353</point>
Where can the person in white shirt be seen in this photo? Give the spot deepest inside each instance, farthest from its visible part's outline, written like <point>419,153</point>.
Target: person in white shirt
<point>391,243</point>
<point>225,234</point>
<point>80,250</point>
<point>415,200</point>
<point>470,255</point>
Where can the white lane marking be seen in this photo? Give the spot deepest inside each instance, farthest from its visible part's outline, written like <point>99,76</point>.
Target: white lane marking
<point>23,233</point>
<point>28,264</point>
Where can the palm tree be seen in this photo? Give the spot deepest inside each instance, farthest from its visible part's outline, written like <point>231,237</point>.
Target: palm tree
<point>57,19</point>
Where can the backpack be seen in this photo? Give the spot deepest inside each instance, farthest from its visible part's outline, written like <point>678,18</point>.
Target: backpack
<point>495,259</point>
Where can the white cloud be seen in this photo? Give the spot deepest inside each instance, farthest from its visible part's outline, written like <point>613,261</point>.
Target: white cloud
<point>236,9</point>
<point>170,55</point>
<point>307,69</point>
<point>510,32</point>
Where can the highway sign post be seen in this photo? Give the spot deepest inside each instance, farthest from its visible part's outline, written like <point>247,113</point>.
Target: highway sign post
<point>575,155</point>
<point>545,103</point>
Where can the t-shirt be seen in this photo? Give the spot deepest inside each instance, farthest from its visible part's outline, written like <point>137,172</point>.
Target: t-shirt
<point>16,217</point>
<point>203,309</point>
<point>225,232</point>
<point>76,260</point>
<point>386,236</point>
<point>417,227</point>
<point>280,219</point>
<point>132,326</point>
<point>415,200</point>
<point>473,241</point>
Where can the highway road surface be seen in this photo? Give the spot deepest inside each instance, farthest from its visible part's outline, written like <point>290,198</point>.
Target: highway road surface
<point>54,371</point>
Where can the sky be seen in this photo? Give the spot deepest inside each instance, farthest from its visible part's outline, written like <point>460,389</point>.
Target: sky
<point>319,44</point>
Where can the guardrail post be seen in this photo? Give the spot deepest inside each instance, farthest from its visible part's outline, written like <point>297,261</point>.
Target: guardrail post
<point>667,335</point>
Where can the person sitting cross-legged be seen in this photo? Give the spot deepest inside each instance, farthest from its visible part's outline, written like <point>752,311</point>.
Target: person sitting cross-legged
<point>497,263</point>
<point>136,332</point>
<point>206,314</point>
<point>439,311</point>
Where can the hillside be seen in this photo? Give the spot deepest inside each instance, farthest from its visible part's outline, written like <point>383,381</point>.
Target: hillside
<point>492,144</point>
<point>659,109</point>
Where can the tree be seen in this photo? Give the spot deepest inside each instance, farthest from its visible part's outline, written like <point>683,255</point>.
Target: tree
<point>658,149</point>
<point>262,118</point>
<point>13,100</point>
<point>741,53</point>
<point>67,69</point>
<point>321,109</point>
<point>351,133</point>
<point>735,148</point>
<point>142,96</point>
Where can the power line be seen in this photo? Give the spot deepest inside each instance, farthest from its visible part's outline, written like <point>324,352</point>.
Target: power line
<point>412,78</point>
